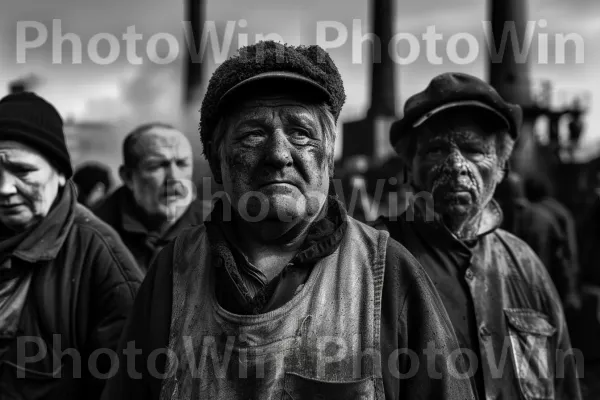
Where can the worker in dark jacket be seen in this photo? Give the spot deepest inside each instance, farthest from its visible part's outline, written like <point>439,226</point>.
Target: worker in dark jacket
<point>456,137</point>
<point>157,200</point>
<point>539,191</point>
<point>287,295</point>
<point>542,232</point>
<point>67,282</point>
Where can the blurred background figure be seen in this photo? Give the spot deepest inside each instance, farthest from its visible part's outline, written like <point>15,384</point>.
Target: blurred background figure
<point>534,224</point>
<point>94,182</point>
<point>65,278</point>
<point>158,198</point>
<point>589,238</point>
<point>539,192</point>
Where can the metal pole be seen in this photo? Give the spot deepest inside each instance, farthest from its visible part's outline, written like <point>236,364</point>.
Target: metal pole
<point>193,69</point>
<point>509,74</point>
<point>383,88</point>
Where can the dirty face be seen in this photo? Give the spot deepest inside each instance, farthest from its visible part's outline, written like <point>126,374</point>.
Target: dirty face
<point>161,182</point>
<point>273,162</point>
<point>28,186</point>
<point>456,160</point>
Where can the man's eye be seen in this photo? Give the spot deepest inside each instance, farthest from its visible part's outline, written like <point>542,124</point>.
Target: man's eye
<point>152,167</point>
<point>253,134</point>
<point>23,170</point>
<point>299,134</point>
<point>434,151</point>
<point>474,151</point>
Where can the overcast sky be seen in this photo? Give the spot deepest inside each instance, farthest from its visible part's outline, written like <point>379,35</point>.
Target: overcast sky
<point>150,91</point>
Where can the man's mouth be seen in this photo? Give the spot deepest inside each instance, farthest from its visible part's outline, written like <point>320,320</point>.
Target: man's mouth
<point>459,194</point>
<point>11,208</point>
<point>453,192</point>
<point>278,183</point>
<point>172,195</point>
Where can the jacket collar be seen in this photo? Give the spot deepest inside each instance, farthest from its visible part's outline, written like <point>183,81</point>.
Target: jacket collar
<point>47,238</point>
<point>491,220</point>
<point>132,220</point>
<point>323,237</point>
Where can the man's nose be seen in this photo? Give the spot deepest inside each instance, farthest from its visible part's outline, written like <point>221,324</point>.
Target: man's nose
<point>7,184</point>
<point>171,171</point>
<point>278,153</point>
<point>456,164</point>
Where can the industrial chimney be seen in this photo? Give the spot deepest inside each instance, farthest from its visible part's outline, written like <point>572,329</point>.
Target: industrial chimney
<point>370,137</point>
<point>193,69</point>
<point>510,74</point>
<point>192,87</point>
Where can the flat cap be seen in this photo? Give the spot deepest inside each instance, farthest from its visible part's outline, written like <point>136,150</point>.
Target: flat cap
<point>268,65</point>
<point>450,90</point>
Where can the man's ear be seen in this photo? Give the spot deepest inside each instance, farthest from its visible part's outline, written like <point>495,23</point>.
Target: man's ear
<point>503,172</point>
<point>62,181</point>
<point>216,171</point>
<point>215,165</point>
<point>125,175</point>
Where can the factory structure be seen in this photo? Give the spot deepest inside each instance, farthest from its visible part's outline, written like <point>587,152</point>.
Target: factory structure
<point>366,146</point>
<point>366,141</point>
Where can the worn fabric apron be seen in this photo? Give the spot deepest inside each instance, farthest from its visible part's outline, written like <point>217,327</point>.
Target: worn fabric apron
<point>322,344</point>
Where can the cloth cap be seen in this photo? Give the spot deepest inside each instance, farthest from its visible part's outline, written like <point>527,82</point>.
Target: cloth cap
<point>451,90</point>
<point>306,71</point>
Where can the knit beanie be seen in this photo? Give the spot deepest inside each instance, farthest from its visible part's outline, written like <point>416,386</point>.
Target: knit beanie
<point>29,119</point>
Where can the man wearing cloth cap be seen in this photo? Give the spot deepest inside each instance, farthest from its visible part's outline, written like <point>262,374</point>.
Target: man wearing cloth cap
<point>277,293</point>
<point>456,138</point>
<point>67,282</point>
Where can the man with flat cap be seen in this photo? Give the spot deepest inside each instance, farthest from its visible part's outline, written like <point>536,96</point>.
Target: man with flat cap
<point>281,294</point>
<point>456,138</point>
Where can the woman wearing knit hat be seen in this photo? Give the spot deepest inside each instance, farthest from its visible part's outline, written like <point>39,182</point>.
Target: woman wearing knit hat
<point>280,294</point>
<point>66,280</point>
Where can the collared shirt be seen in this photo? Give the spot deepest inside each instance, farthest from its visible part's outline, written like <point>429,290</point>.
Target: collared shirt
<point>244,288</point>
<point>493,288</point>
<point>121,212</point>
<point>412,317</point>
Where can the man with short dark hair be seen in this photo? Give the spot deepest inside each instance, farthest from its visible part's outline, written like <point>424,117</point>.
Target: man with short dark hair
<point>541,230</point>
<point>158,199</point>
<point>281,294</point>
<point>539,191</point>
<point>456,138</point>
<point>94,182</point>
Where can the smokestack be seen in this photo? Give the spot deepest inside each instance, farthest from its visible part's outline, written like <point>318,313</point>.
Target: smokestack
<point>193,69</point>
<point>383,88</point>
<point>510,75</point>
<point>370,136</point>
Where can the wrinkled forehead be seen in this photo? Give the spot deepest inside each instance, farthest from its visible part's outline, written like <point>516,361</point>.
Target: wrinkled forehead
<point>19,150</point>
<point>272,106</point>
<point>160,140</point>
<point>459,127</point>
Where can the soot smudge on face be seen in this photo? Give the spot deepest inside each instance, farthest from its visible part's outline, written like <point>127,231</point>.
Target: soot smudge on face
<point>457,157</point>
